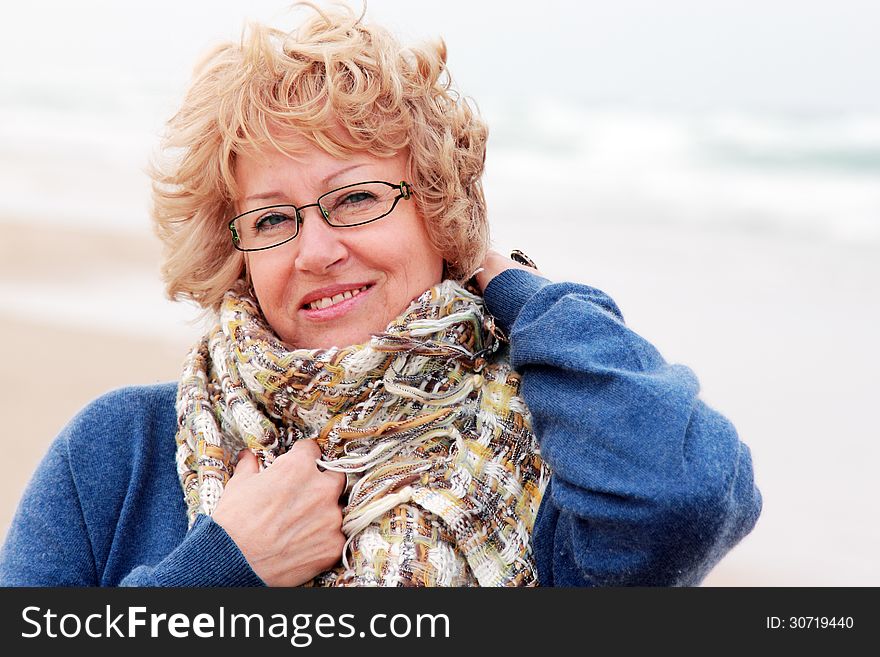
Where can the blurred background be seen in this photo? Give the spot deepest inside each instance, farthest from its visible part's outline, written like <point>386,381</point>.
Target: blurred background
<point>713,165</point>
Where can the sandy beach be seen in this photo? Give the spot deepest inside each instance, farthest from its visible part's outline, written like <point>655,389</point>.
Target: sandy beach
<point>780,331</point>
<point>77,363</point>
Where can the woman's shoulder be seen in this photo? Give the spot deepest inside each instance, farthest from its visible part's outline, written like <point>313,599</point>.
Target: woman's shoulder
<point>154,396</point>
<point>105,498</point>
<point>123,417</point>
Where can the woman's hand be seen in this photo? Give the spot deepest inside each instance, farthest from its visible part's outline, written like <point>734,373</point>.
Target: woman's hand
<point>286,520</point>
<point>495,263</point>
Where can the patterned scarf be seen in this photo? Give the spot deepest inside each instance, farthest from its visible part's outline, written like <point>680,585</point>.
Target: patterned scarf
<point>444,476</point>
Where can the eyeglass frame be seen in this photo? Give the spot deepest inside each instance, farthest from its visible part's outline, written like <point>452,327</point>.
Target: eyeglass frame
<point>405,193</point>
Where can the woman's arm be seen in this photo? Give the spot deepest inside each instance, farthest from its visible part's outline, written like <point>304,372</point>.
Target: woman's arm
<point>47,542</point>
<point>207,556</point>
<point>104,507</point>
<point>650,486</point>
<point>50,543</point>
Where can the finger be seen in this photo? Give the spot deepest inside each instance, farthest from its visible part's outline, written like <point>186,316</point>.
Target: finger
<point>340,481</point>
<point>247,464</point>
<point>301,450</point>
<point>307,448</point>
<point>301,458</point>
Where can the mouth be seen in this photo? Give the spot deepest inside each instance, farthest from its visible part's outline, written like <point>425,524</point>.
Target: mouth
<point>335,304</point>
<point>339,297</point>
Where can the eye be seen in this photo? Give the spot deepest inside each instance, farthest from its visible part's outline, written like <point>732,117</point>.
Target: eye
<point>271,220</point>
<point>353,198</point>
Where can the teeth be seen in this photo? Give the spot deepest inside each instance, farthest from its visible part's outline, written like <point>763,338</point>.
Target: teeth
<point>326,302</point>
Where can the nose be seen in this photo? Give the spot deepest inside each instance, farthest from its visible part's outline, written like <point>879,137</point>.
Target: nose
<point>318,246</point>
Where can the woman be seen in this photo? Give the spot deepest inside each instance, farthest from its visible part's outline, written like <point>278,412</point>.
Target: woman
<point>324,202</point>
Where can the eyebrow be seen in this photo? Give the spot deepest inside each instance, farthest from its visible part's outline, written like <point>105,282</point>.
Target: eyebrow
<point>265,196</point>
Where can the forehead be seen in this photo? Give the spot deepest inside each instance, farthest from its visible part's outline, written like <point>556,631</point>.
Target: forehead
<point>285,150</point>
<point>300,177</point>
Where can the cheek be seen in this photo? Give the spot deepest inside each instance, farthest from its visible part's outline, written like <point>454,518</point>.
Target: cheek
<point>430,266</point>
<point>423,259</point>
<point>430,262</point>
<point>266,276</point>
<point>420,268</point>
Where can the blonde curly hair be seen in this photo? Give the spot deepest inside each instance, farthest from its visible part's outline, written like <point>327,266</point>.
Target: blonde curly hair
<point>345,86</point>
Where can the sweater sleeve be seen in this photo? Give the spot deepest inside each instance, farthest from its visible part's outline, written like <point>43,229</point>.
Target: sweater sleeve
<point>97,513</point>
<point>47,542</point>
<point>206,557</point>
<point>650,486</point>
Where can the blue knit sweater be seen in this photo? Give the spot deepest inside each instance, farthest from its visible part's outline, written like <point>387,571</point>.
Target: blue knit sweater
<point>649,487</point>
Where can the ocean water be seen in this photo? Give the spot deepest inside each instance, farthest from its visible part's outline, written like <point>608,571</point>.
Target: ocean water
<point>77,154</point>
<point>815,175</point>
<point>599,120</point>
<point>577,139</point>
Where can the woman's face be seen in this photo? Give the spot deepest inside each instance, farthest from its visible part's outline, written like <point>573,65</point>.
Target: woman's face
<point>392,257</point>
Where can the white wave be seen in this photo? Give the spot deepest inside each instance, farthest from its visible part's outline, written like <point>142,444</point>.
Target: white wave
<point>803,174</point>
<point>130,304</point>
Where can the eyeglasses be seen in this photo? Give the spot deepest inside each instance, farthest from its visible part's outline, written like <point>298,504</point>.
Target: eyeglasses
<point>346,207</point>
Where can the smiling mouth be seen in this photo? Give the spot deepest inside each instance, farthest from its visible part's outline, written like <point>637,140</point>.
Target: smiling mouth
<point>326,302</point>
